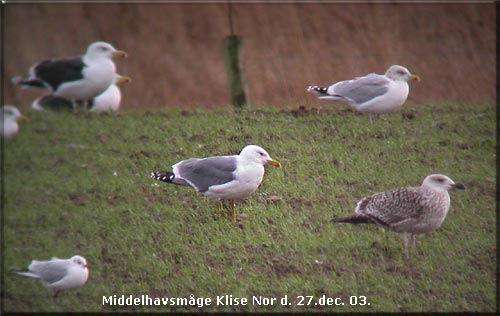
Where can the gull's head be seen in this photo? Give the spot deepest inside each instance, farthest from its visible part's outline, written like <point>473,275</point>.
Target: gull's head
<point>119,80</point>
<point>258,155</point>
<point>400,73</point>
<point>79,260</point>
<point>104,50</point>
<point>440,182</point>
<point>11,113</point>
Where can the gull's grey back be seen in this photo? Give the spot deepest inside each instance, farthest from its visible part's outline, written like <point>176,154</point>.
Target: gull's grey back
<point>203,173</point>
<point>50,271</point>
<point>362,89</point>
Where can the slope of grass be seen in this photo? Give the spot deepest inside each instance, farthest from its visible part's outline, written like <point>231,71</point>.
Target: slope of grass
<point>79,184</point>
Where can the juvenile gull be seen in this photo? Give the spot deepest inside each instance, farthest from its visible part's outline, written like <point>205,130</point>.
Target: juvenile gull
<point>373,93</point>
<point>58,274</point>
<point>413,210</point>
<point>78,78</point>
<point>9,126</point>
<point>108,101</point>
<point>222,177</point>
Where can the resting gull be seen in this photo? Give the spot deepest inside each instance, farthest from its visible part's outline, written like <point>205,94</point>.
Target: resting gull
<point>109,100</point>
<point>222,177</point>
<point>58,274</point>
<point>78,78</point>
<point>373,93</point>
<point>413,210</point>
<point>10,116</point>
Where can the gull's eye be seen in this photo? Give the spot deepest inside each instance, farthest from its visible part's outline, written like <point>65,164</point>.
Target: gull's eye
<point>441,180</point>
<point>401,72</point>
<point>262,154</point>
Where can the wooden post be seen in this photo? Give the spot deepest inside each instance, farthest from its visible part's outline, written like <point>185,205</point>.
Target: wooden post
<point>232,45</point>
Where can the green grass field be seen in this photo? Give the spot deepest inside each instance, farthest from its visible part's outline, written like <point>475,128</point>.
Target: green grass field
<point>79,184</point>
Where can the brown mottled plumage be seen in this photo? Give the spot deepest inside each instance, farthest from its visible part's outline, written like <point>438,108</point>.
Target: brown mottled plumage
<point>413,210</point>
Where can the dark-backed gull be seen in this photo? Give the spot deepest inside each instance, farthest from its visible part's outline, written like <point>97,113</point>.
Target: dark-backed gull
<point>222,177</point>
<point>78,78</point>
<point>109,100</point>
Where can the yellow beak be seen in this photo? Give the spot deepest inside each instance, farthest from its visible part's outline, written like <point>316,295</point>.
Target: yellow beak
<point>415,77</point>
<point>123,79</point>
<point>274,163</point>
<point>23,118</point>
<point>120,54</point>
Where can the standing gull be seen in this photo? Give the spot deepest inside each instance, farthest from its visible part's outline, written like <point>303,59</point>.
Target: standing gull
<point>78,78</point>
<point>58,274</point>
<point>413,210</point>
<point>109,100</point>
<point>373,93</point>
<point>9,126</point>
<point>222,177</point>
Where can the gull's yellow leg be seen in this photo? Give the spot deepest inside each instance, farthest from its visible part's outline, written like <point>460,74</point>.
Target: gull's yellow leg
<point>218,207</point>
<point>233,208</point>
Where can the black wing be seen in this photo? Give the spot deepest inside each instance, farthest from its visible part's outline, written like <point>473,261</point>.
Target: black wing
<point>52,102</point>
<point>58,71</point>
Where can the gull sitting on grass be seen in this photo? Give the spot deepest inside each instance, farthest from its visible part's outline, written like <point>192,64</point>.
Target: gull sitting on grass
<point>10,116</point>
<point>108,101</point>
<point>58,274</point>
